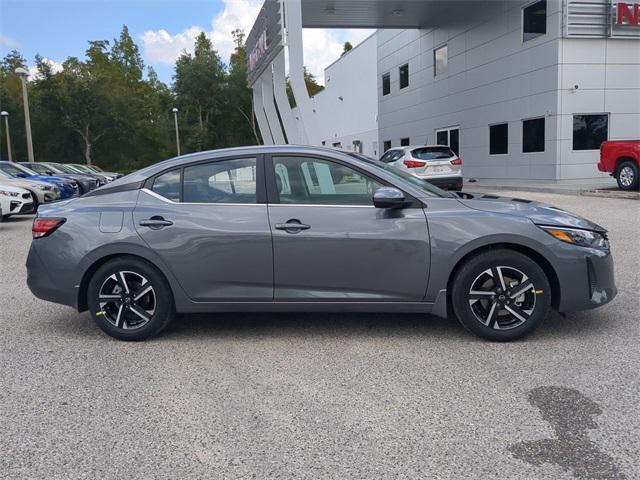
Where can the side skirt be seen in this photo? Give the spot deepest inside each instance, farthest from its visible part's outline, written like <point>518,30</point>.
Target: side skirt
<point>391,307</point>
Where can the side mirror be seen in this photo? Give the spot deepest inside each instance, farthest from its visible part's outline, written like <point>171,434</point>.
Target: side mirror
<point>389,197</point>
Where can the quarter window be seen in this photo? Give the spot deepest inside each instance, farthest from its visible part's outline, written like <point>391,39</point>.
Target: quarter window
<point>168,185</point>
<point>440,60</point>
<point>534,20</point>
<point>533,135</point>
<point>304,180</point>
<point>404,76</point>
<point>226,181</point>
<point>589,131</point>
<point>499,139</point>
<point>386,84</point>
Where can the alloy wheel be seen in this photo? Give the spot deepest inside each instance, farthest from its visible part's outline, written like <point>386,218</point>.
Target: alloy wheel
<point>502,298</point>
<point>127,300</point>
<point>626,176</point>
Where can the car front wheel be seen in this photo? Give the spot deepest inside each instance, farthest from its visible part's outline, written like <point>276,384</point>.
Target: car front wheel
<point>501,295</point>
<point>129,299</point>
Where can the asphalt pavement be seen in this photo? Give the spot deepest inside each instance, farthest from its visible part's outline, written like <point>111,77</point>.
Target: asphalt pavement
<point>318,396</point>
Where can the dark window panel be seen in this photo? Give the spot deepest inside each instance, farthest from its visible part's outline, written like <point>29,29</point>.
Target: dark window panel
<point>499,139</point>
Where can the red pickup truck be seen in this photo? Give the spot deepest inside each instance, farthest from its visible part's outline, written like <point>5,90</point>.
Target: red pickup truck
<point>621,159</point>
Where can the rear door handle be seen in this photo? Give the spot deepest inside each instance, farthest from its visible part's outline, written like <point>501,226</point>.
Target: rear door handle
<point>292,226</point>
<point>155,223</point>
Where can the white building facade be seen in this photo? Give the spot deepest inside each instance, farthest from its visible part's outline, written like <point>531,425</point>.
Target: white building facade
<point>520,89</point>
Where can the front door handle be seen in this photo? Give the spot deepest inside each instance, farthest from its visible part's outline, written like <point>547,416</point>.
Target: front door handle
<point>155,222</point>
<point>292,226</point>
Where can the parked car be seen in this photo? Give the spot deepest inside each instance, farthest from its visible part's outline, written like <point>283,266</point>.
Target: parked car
<point>14,201</point>
<point>102,179</point>
<point>68,188</point>
<point>621,158</point>
<point>291,228</point>
<point>97,169</point>
<point>437,164</point>
<point>86,183</point>
<point>41,191</point>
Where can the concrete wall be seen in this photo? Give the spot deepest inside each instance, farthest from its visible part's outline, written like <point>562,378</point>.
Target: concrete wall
<point>607,71</point>
<point>492,77</point>
<point>354,117</point>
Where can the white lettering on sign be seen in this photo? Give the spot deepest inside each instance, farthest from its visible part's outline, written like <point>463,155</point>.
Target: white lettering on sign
<point>258,51</point>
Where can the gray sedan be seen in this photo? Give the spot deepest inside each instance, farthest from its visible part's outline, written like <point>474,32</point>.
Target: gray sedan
<point>286,228</point>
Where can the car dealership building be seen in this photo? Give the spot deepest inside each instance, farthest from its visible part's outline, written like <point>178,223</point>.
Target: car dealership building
<point>520,89</point>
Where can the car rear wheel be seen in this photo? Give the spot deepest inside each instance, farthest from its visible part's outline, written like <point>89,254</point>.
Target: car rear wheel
<point>627,176</point>
<point>129,299</point>
<point>501,295</point>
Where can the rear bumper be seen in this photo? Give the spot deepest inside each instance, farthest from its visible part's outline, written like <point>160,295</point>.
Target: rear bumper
<point>42,285</point>
<point>453,182</point>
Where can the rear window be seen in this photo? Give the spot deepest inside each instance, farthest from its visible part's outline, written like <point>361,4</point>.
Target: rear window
<point>432,153</point>
<point>392,156</point>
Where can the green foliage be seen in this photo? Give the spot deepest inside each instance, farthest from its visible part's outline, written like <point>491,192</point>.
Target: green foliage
<point>313,87</point>
<point>108,109</point>
<point>347,48</point>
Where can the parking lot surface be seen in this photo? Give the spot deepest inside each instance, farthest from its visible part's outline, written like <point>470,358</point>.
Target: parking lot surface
<point>323,395</point>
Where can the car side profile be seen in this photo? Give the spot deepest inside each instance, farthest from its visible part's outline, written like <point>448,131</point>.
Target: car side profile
<point>292,228</point>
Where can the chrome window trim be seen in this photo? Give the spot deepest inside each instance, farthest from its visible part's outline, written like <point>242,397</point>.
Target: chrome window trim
<point>166,200</point>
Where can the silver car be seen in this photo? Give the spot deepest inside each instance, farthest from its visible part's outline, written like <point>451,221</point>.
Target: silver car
<point>289,228</point>
<point>437,164</point>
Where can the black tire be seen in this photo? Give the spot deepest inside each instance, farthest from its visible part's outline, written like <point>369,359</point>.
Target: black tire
<point>123,317</point>
<point>627,175</point>
<point>490,312</point>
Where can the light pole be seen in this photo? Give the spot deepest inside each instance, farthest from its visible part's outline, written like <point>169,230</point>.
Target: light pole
<point>175,119</point>
<point>6,129</point>
<point>23,73</point>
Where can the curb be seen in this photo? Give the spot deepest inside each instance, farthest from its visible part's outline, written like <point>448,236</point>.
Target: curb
<point>558,191</point>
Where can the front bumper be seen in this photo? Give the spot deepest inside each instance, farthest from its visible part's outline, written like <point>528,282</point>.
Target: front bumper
<point>588,283</point>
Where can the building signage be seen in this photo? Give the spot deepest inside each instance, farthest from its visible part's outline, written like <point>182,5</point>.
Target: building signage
<point>601,18</point>
<point>627,14</point>
<point>264,41</point>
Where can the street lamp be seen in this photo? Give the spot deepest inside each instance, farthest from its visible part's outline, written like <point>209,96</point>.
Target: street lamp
<point>6,128</point>
<point>23,73</point>
<point>175,118</point>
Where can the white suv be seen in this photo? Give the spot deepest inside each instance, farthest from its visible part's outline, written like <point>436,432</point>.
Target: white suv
<point>437,164</point>
<point>14,200</point>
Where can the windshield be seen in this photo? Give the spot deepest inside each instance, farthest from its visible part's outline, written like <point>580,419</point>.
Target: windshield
<point>95,168</point>
<point>432,153</point>
<point>425,187</point>
<point>42,169</point>
<point>392,156</point>
<point>60,168</point>
<point>82,168</point>
<point>13,171</point>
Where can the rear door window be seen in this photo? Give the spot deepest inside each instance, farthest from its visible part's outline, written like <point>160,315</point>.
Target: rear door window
<point>432,153</point>
<point>224,181</point>
<point>168,185</point>
<point>392,156</point>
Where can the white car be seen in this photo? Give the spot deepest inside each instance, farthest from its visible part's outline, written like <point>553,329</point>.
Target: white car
<point>14,201</point>
<point>437,164</point>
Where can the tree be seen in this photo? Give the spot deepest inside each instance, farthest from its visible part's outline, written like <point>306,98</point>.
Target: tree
<point>347,48</point>
<point>313,87</point>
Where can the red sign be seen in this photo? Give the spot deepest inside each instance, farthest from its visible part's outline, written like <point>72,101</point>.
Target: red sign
<point>258,51</point>
<point>628,14</point>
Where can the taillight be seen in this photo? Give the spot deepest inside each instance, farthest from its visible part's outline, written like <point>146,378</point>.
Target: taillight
<point>413,164</point>
<point>43,226</point>
<point>456,161</point>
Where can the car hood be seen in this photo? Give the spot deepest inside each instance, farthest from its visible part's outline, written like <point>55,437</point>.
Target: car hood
<point>48,179</point>
<point>25,182</point>
<point>539,213</point>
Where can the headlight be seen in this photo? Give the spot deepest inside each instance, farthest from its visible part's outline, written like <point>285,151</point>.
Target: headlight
<point>9,194</point>
<point>44,188</point>
<point>581,238</point>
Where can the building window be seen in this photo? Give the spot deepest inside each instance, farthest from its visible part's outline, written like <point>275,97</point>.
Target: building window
<point>386,145</point>
<point>440,60</point>
<point>386,84</point>
<point>533,135</point>
<point>404,76</point>
<point>589,131</point>
<point>449,137</point>
<point>405,142</point>
<point>499,139</point>
<point>534,20</point>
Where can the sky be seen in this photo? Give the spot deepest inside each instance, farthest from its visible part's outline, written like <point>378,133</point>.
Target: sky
<point>57,29</point>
